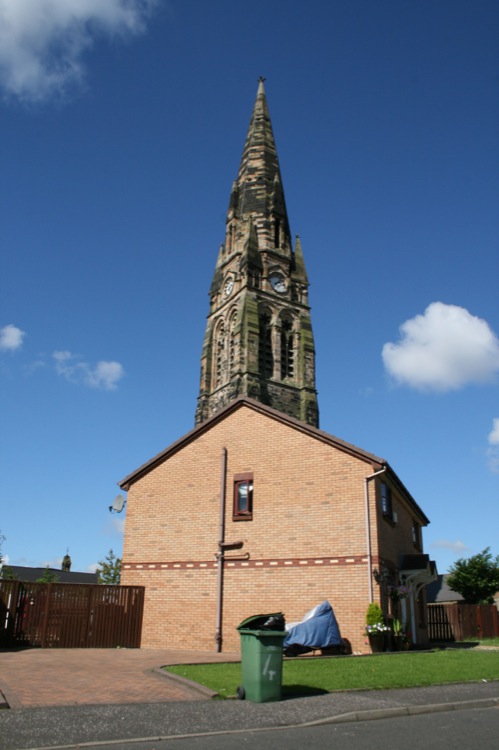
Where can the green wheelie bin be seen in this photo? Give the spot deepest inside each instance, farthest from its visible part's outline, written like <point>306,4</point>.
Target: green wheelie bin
<point>262,637</point>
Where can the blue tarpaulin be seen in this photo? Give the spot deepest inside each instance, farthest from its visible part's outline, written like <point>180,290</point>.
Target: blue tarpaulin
<point>317,630</point>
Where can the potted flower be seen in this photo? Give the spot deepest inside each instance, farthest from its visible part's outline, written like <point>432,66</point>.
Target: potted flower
<point>397,636</point>
<point>406,639</point>
<point>398,592</point>
<point>400,636</point>
<point>376,630</point>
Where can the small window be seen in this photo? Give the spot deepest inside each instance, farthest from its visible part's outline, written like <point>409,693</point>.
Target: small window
<point>243,497</point>
<point>416,535</point>
<point>386,501</point>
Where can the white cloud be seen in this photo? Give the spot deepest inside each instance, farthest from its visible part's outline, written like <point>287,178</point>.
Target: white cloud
<point>11,338</point>
<point>494,434</point>
<point>458,546</point>
<point>493,451</point>
<point>105,375</point>
<point>42,41</point>
<point>92,567</point>
<point>444,349</point>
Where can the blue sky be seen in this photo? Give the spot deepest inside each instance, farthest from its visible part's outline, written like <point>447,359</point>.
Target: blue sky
<point>121,129</point>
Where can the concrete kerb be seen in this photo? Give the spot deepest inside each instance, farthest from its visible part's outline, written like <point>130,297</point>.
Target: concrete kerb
<point>195,687</point>
<point>354,716</point>
<point>388,713</point>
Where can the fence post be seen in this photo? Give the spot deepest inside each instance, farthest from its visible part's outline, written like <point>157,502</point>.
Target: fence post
<point>46,615</point>
<point>88,628</point>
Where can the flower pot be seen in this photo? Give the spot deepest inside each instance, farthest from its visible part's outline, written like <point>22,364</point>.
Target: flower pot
<point>398,642</point>
<point>377,642</point>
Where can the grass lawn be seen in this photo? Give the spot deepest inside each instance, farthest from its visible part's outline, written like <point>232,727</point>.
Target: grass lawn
<point>312,676</point>
<point>485,642</point>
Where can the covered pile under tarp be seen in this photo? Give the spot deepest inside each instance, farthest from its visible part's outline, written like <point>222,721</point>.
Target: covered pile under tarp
<point>317,630</point>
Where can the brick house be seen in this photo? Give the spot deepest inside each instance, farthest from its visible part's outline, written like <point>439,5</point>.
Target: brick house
<point>256,509</point>
<point>301,523</point>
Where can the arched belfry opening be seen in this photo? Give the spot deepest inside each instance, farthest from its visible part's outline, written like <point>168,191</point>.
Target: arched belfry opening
<point>265,348</point>
<point>287,342</point>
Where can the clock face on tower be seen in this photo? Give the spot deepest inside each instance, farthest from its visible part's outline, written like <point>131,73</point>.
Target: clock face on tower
<point>277,282</point>
<point>228,286</point>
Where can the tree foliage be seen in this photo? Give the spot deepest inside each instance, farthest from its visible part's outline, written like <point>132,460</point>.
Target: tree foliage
<point>49,576</point>
<point>6,573</point>
<point>477,578</point>
<point>109,570</point>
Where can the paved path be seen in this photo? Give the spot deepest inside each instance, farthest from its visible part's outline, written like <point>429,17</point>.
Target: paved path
<point>68,677</point>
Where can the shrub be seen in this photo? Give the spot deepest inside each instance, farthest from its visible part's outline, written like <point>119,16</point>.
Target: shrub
<point>374,614</point>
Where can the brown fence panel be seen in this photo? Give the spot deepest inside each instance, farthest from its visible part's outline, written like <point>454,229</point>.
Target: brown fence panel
<point>478,621</point>
<point>116,616</point>
<point>457,622</point>
<point>439,625</point>
<point>65,615</point>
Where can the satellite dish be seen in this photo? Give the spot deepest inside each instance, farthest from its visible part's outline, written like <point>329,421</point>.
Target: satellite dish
<point>118,504</point>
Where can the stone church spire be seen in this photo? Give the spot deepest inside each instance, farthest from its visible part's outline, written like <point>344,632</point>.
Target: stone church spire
<point>258,340</point>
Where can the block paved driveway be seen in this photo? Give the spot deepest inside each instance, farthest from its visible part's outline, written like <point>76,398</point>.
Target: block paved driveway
<point>65,677</point>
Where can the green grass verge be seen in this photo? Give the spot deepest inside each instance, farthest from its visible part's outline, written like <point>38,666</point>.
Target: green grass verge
<point>308,676</point>
<point>483,641</point>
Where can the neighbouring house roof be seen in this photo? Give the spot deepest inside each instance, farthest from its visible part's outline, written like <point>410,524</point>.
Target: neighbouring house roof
<point>439,592</point>
<point>34,574</point>
<point>376,462</point>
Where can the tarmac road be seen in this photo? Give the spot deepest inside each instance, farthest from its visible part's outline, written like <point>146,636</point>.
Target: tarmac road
<point>99,725</point>
<point>461,731</point>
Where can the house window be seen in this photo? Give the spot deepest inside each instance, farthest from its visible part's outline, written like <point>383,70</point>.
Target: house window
<point>416,535</point>
<point>243,497</point>
<point>386,501</point>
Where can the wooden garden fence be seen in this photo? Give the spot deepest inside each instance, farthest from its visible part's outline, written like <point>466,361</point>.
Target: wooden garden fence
<point>458,622</point>
<point>67,615</point>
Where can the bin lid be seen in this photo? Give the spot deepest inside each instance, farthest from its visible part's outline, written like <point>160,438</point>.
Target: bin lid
<point>264,633</point>
<point>268,623</point>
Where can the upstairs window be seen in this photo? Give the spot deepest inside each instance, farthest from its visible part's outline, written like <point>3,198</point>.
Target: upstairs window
<point>416,536</point>
<point>243,497</point>
<point>386,501</point>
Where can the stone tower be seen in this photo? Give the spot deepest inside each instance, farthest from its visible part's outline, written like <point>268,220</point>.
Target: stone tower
<point>258,340</point>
